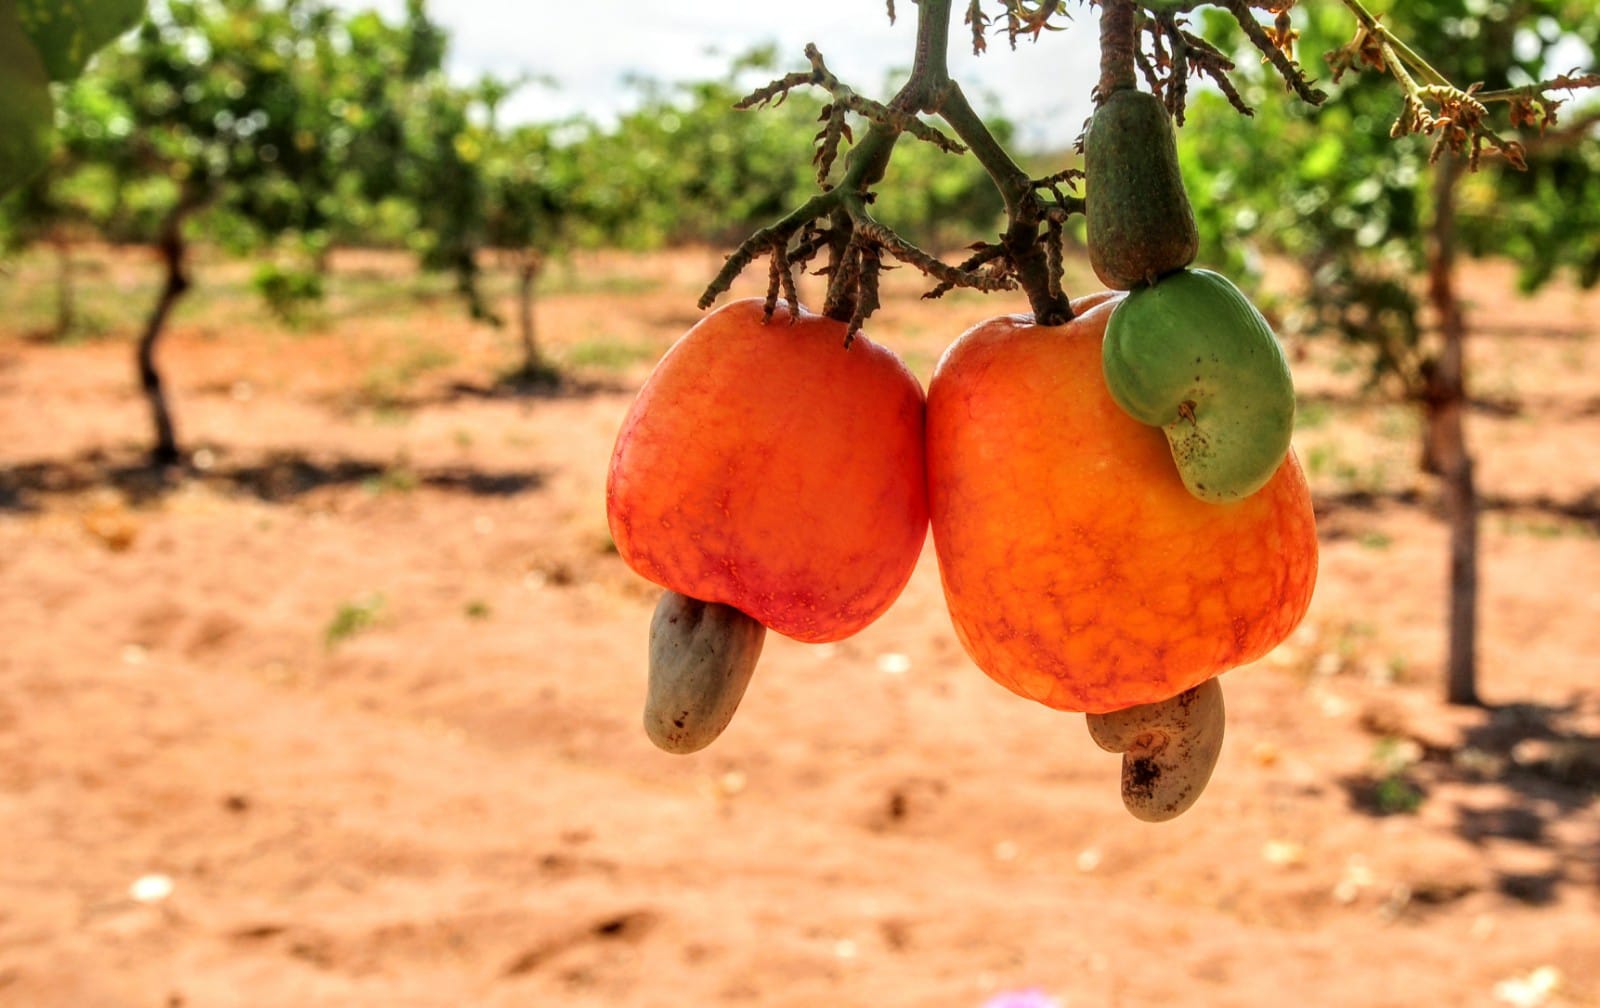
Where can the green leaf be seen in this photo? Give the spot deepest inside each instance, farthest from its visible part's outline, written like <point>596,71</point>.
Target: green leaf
<point>68,32</point>
<point>1322,160</point>
<point>26,111</point>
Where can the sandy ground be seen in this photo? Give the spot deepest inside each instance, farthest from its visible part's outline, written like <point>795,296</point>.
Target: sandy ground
<point>348,715</point>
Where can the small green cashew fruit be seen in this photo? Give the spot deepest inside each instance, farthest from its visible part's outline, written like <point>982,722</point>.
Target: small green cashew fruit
<point>1141,226</point>
<point>702,655</point>
<point>1193,356</point>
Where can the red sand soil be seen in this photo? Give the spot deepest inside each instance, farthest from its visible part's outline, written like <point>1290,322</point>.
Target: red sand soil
<point>349,715</point>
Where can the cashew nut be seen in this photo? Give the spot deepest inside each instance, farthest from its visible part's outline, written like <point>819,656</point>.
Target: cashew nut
<point>702,655</point>
<point>1169,749</point>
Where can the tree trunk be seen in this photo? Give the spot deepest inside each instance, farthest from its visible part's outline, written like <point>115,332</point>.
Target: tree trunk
<point>529,266</point>
<point>467,274</point>
<point>66,300</point>
<point>1446,409</point>
<point>171,246</point>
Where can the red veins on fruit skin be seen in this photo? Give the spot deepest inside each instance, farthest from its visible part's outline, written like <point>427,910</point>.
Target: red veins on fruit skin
<point>1078,570</point>
<point>767,467</point>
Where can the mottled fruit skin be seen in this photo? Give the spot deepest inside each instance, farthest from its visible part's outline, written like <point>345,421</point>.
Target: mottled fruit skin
<point>1078,570</point>
<point>769,468</point>
<point>1141,225</point>
<point>702,656</point>
<point>1193,356</point>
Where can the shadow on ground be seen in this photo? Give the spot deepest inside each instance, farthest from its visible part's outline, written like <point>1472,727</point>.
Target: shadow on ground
<point>1520,777</point>
<point>276,477</point>
<point>515,386</point>
<point>1333,510</point>
<point>539,385</point>
<point>1557,407</point>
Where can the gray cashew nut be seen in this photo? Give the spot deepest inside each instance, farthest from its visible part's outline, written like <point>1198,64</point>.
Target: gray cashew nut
<point>702,655</point>
<point>1169,749</point>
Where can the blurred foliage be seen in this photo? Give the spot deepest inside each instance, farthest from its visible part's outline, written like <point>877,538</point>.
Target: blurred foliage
<point>43,41</point>
<point>24,104</point>
<point>293,127</point>
<point>1330,190</point>
<point>288,127</point>
<point>67,33</point>
<point>945,200</point>
<point>236,114</point>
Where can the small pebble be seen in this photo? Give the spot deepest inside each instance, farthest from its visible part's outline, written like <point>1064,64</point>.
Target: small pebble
<point>150,888</point>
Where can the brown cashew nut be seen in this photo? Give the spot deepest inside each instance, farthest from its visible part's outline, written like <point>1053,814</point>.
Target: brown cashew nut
<point>702,655</point>
<point>1169,749</point>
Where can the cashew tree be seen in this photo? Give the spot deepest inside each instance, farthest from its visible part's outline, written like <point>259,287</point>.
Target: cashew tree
<point>224,113</point>
<point>534,210</point>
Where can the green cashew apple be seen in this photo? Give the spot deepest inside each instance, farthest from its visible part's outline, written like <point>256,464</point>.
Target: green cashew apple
<point>702,655</point>
<point>1193,356</point>
<point>1141,226</point>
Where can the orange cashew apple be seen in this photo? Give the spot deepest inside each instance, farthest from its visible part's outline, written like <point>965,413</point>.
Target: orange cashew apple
<point>1078,570</point>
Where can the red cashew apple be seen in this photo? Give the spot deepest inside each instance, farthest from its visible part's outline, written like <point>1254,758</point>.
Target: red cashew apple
<point>768,467</point>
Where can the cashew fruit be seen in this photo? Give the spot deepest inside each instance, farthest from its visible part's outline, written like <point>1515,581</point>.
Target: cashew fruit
<point>766,466</point>
<point>1193,356</point>
<point>1141,226</point>
<point>1077,568</point>
<point>702,655</point>
<point>1169,749</point>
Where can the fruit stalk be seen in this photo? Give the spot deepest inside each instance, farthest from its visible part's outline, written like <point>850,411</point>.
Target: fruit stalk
<point>1117,38</point>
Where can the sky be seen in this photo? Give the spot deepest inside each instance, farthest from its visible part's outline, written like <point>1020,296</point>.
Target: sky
<point>588,52</point>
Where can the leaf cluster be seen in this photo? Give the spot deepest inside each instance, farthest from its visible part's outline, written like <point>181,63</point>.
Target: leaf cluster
<point>45,41</point>
<point>1458,118</point>
<point>1330,190</point>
